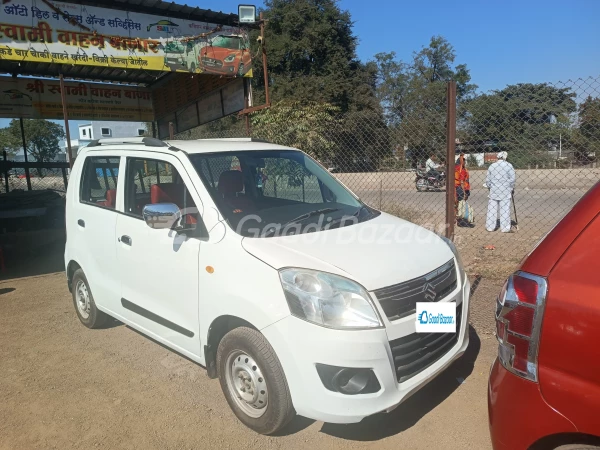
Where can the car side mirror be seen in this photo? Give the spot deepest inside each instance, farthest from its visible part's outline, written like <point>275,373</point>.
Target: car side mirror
<point>161,215</point>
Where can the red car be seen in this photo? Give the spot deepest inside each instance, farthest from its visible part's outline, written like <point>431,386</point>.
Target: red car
<point>544,387</point>
<point>226,55</point>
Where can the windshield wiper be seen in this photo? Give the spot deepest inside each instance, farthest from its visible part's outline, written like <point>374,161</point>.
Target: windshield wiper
<point>337,222</point>
<point>296,220</point>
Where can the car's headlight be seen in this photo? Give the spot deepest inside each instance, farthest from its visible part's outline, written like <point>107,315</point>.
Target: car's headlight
<point>461,270</point>
<point>230,58</point>
<point>328,300</point>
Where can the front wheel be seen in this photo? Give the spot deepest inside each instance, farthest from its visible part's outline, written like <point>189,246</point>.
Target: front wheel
<point>253,381</point>
<point>421,185</point>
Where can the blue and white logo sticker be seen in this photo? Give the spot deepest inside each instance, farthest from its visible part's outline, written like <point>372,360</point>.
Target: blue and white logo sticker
<point>437,317</point>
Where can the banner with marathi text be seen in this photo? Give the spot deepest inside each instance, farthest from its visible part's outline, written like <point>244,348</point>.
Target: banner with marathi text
<point>36,98</point>
<point>68,33</point>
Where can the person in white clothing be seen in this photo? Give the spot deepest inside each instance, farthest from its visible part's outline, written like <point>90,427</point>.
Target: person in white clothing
<point>432,167</point>
<point>500,180</point>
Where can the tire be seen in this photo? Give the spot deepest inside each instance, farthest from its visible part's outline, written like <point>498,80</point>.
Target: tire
<point>577,447</point>
<point>247,362</point>
<point>421,185</point>
<point>84,303</point>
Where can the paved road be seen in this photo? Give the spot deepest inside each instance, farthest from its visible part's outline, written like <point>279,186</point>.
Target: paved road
<point>534,205</point>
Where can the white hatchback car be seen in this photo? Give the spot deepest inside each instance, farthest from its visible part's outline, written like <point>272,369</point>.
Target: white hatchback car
<point>251,259</point>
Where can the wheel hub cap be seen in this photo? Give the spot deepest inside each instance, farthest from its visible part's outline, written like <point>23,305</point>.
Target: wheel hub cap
<point>82,298</point>
<point>247,384</point>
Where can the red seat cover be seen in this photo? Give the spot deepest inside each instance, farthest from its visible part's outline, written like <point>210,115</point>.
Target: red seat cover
<point>111,199</point>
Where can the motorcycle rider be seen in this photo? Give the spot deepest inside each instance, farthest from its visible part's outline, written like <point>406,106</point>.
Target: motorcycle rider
<point>431,166</point>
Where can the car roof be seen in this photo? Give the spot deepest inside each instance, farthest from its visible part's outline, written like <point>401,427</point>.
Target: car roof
<point>197,146</point>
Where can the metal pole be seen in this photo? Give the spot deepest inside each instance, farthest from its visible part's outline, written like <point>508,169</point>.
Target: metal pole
<point>171,131</point>
<point>66,117</point>
<point>5,157</point>
<point>27,176</point>
<point>450,147</point>
<point>264,58</point>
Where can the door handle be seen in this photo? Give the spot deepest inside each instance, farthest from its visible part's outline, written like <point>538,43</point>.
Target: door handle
<point>125,240</point>
<point>81,223</point>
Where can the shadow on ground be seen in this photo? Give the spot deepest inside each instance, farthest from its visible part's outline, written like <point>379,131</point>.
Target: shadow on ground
<point>381,426</point>
<point>41,261</point>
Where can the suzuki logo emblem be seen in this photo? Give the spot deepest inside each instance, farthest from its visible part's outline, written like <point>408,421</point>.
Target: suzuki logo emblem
<point>429,292</point>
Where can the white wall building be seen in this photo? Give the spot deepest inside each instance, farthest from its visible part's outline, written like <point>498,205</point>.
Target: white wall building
<point>105,129</point>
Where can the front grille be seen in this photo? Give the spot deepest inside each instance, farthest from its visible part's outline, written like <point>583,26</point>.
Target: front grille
<point>400,300</point>
<point>416,352</point>
<point>210,62</point>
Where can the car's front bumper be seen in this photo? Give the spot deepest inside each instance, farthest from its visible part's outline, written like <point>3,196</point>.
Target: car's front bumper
<point>300,346</point>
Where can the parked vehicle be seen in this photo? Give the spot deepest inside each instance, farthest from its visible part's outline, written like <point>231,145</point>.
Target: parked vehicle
<point>544,387</point>
<point>184,55</point>
<point>226,55</point>
<point>424,181</point>
<point>183,244</point>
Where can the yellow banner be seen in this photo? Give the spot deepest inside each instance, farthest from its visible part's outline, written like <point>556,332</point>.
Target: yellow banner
<point>65,33</point>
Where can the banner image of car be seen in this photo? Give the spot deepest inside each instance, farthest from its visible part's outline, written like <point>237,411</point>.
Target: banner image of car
<point>66,33</point>
<point>226,55</point>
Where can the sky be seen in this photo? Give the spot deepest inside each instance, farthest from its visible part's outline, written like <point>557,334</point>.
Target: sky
<point>501,41</point>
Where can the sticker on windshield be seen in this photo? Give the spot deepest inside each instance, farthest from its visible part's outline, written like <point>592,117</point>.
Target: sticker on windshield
<point>437,317</point>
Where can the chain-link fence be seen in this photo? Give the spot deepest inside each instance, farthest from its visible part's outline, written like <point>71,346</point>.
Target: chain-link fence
<point>39,176</point>
<point>550,133</point>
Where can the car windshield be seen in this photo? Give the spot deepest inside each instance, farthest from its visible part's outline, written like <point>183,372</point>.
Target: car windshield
<point>277,192</point>
<point>231,42</point>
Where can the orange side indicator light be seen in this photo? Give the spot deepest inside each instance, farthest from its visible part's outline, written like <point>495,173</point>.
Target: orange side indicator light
<point>210,269</point>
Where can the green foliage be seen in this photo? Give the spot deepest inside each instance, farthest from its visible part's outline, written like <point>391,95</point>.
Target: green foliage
<point>42,138</point>
<point>417,89</point>
<point>413,95</point>
<point>526,118</point>
<point>311,51</point>
<point>304,125</point>
<point>586,137</point>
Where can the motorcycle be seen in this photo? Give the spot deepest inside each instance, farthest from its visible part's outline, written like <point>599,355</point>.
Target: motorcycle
<point>427,182</point>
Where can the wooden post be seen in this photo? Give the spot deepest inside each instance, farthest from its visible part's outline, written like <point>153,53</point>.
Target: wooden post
<point>27,175</point>
<point>66,118</point>
<point>450,154</point>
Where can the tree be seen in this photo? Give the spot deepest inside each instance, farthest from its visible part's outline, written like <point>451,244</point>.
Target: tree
<point>309,126</point>
<point>42,138</point>
<point>525,119</point>
<point>586,136</point>
<point>311,52</point>
<point>403,87</point>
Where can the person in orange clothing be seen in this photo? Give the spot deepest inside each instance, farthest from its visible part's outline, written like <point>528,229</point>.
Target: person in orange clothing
<point>461,180</point>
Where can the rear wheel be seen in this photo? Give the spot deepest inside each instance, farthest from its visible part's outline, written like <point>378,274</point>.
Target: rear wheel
<point>83,300</point>
<point>253,381</point>
<point>577,447</point>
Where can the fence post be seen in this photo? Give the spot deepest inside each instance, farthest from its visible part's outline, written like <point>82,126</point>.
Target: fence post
<point>450,147</point>
<point>27,175</point>
<point>64,174</point>
<point>5,156</point>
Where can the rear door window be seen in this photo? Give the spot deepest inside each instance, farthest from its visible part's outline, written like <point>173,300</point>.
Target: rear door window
<point>99,181</point>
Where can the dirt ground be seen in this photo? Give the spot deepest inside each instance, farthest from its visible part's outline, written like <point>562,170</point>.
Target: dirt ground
<point>64,386</point>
